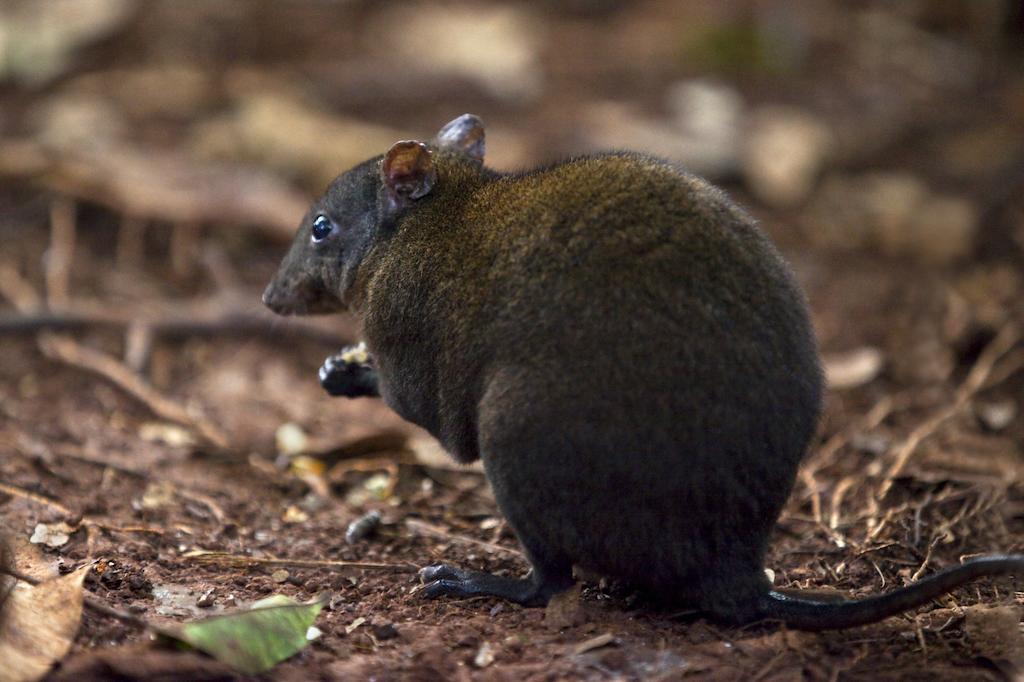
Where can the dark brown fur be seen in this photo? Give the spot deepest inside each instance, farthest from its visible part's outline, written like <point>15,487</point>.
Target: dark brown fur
<point>617,341</point>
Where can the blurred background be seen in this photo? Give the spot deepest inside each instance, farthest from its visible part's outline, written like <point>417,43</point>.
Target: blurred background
<point>886,128</point>
<point>890,128</point>
<point>157,155</point>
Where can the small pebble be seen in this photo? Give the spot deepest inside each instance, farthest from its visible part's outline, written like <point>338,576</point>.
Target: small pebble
<point>279,576</point>
<point>362,527</point>
<point>206,600</point>
<point>291,439</point>
<point>385,632</point>
<point>996,416</point>
<point>484,655</point>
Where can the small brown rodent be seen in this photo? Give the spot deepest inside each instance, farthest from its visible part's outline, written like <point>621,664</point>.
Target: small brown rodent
<point>617,341</point>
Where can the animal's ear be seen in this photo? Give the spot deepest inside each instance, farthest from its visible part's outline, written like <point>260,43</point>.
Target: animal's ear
<point>464,134</point>
<point>408,171</point>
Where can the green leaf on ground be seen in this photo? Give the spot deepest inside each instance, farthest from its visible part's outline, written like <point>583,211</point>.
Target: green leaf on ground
<point>255,640</point>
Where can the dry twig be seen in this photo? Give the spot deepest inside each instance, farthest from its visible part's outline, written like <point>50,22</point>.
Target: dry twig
<point>61,253</point>
<point>424,528</point>
<point>167,320</point>
<point>15,491</point>
<point>15,289</point>
<point>71,352</point>
<point>1003,342</point>
<point>240,560</point>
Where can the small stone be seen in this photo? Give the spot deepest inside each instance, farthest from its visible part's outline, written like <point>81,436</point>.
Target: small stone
<point>291,439</point>
<point>279,576</point>
<point>362,527</point>
<point>996,416</point>
<point>484,655</point>
<point>783,154</point>
<point>349,629</point>
<point>384,632</point>
<point>854,368</point>
<point>206,600</point>
<point>294,515</point>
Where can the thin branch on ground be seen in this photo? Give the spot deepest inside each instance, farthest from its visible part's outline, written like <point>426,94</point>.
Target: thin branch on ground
<point>824,455</point>
<point>15,491</point>
<point>22,295</point>
<point>74,519</point>
<point>164,320</point>
<point>241,560</point>
<point>976,379</point>
<point>63,234</point>
<point>424,528</point>
<point>69,351</point>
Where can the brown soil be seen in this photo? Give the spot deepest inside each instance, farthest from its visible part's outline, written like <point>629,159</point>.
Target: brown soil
<point>75,439</point>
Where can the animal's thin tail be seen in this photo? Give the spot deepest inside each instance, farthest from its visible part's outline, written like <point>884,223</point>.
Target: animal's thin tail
<point>809,614</point>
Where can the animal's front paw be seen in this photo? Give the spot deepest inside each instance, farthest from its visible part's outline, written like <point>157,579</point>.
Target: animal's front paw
<point>349,374</point>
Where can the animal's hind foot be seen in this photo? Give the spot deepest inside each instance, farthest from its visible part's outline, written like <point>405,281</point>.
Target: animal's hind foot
<point>443,580</point>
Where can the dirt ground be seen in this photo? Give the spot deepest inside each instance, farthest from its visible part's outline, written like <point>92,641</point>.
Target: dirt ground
<point>231,446</point>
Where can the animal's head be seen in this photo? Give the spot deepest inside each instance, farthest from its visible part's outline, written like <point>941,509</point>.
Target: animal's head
<point>358,209</point>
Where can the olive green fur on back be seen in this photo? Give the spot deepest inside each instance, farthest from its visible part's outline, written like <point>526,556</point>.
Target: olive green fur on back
<point>610,259</point>
<point>615,339</point>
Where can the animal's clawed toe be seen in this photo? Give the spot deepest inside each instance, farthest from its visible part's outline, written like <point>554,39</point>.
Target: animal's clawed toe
<point>436,572</point>
<point>447,588</point>
<point>442,580</point>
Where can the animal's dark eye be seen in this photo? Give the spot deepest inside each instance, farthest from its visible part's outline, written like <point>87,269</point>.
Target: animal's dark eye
<point>322,227</point>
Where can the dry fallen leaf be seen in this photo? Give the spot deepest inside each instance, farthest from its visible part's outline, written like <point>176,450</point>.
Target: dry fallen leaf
<point>52,534</point>
<point>38,624</point>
